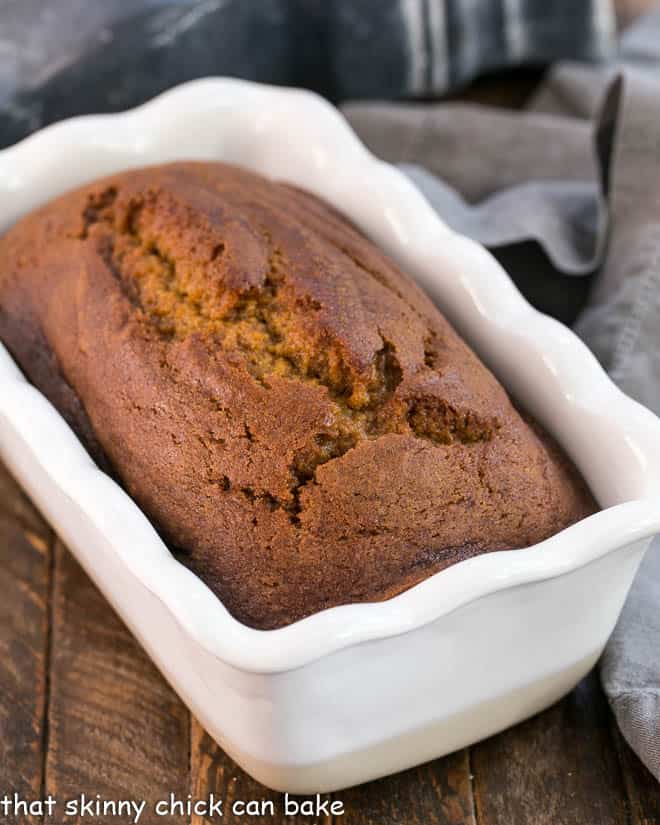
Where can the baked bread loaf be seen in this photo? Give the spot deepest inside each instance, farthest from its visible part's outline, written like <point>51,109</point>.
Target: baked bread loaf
<point>301,424</point>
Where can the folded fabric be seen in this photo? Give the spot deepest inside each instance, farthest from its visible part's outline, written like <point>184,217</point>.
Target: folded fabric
<point>404,48</point>
<point>472,161</point>
<point>580,193</point>
<point>97,57</point>
<point>563,216</point>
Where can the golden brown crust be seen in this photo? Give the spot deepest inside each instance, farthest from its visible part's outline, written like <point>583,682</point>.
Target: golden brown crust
<point>281,400</point>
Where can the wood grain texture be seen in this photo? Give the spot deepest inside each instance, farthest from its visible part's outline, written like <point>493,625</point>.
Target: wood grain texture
<point>16,506</point>
<point>24,608</point>
<point>642,788</point>
<point>115,727</point>
<point>438,793</point>
<point>558,768</point>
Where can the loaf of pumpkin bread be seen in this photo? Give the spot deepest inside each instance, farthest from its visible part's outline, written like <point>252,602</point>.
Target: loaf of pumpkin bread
<point>294,415</point>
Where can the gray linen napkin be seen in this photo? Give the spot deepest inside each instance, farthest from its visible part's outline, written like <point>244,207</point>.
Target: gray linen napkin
<point>73,56</point>
<point>571,186</point>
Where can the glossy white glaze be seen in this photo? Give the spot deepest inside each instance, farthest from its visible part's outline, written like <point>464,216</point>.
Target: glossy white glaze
<point>361,690</point>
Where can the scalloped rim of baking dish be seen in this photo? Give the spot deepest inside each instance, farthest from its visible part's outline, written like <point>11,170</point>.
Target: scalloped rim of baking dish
<point>296,136</point>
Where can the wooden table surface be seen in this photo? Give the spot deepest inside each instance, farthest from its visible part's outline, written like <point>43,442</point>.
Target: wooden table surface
<point>82,710</point>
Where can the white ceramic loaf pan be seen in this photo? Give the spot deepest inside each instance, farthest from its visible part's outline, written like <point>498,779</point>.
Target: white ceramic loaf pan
<point>357,691</point>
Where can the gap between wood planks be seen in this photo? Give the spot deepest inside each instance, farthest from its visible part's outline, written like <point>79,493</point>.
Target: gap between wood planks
<point>48,649</point>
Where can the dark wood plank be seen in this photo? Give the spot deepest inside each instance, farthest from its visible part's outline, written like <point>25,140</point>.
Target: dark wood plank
<point>17,506</point>
<point>24,608</point>
<point>438,793</point>
<point>642,787</point>
<point>115,727</point>
<point>213,772</point>
<point>559,768</point>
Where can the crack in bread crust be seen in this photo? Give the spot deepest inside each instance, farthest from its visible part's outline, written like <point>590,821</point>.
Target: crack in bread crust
<point>267,326</point>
